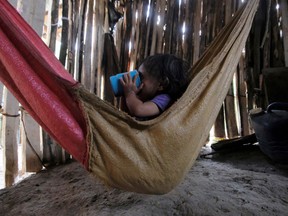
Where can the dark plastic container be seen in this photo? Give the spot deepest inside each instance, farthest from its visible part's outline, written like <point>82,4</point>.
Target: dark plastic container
<point>271,129</point>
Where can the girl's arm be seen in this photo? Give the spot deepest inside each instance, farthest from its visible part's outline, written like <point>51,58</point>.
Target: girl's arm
<point>135,106</point>
<point>138,108</point>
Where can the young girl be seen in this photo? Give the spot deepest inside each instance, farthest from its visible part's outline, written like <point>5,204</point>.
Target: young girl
<point>163,80</point>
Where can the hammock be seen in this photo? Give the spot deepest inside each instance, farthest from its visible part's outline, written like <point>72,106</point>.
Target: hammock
<point>141,156</point>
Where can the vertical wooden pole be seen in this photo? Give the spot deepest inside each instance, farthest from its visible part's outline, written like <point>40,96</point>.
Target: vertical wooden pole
<point>87,48</point>
<point>135,34</point>
<point>47,22</point>
<point>142,29</point>
<point>127,28</point>
<point>79,38</point>
<point>65,32</point>
<point>169,26</point>
<point>188,48</point>
<point>230,109</point>
<point>242,93</point>
<point>284,11</point>
<point>33,12</point>
<point>232,129</point>
<point>160,33</point>
<point>257,67</point>
<point>72,37</point>
<point>1,91</point>
<point>174,27</point>
<point>179,29</point>
<point>204,30</point>
<point>2,166</point>
<point>100,47</point>
<point>32,145</point>
<point>220,128</point>
<point>10,126</point>
<point>157,28</point>
<point>54,25</point>
<point>197,27</point>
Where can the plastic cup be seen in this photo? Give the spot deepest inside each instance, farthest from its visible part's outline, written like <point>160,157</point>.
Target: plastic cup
<point>116,84</point>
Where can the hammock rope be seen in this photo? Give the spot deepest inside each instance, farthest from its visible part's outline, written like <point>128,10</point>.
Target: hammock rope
<point>146,157</point>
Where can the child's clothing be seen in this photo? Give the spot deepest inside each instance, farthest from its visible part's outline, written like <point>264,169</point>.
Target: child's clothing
<point>162,101</point>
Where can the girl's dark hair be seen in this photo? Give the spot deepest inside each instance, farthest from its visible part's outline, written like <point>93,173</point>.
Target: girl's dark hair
<point>170,71</point>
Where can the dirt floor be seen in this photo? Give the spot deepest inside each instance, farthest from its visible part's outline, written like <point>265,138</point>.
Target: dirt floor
<point>243,182</point>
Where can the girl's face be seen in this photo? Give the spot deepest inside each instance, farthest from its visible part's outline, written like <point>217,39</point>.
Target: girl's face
<point>151,86</point>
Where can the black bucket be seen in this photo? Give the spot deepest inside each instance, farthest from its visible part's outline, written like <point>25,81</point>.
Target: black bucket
<point>271,129</point>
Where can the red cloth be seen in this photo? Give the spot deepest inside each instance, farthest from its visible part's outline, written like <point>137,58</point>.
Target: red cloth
<point>41,84</point>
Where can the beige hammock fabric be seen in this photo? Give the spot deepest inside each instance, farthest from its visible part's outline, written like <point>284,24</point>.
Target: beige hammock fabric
<point>154,156</point>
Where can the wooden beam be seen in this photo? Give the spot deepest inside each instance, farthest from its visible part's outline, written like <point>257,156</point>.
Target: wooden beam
<point>284,11</point>
<point>33,12</point>
<point>54,25</point>
<point>135,36</point>
<point>32,147</point>
<point>189,22</point>
<point>87,76</point>
<point>242,98</point>
<point>65,32</point>
<point>9,137</point>
<point>2,177</point>
<point>230,108</point>
<point>101,6</point>
<point>197,28</point>
<point>1,90</point>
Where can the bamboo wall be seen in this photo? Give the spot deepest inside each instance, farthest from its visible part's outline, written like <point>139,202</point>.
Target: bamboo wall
<point>97,38</point>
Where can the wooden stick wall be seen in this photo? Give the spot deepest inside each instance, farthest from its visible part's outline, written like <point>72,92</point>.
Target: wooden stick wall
<point>97,38</point>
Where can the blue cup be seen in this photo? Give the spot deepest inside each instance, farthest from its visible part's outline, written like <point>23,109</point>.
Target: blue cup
<point>116,84</point>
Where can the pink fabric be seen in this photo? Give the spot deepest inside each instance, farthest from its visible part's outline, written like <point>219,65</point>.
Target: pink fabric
<point>41,84</point>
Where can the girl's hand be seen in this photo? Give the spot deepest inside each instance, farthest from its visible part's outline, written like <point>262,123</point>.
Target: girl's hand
<point>129,84</point>
<point>136,107</point>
